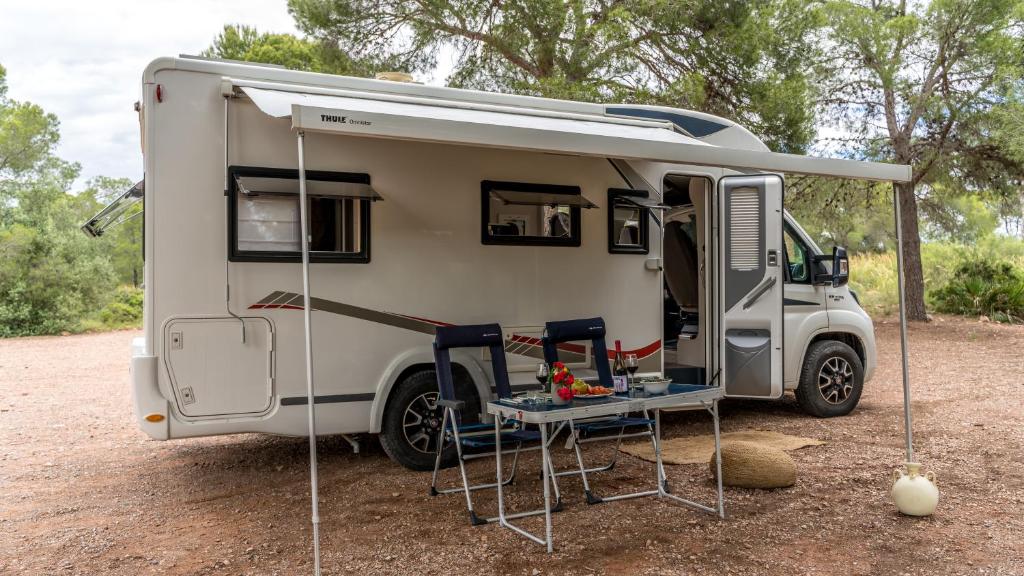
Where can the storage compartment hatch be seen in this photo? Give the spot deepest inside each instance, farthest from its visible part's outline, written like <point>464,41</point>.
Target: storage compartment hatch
<point>214,373</point>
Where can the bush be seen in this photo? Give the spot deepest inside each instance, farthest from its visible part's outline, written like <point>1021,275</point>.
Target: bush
<point>124,309</point>
<point>993,289</point>
<point>873,274</point>
<point>49,280</point>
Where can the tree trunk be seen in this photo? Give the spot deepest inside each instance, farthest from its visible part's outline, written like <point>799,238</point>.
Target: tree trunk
<point>913,275</point>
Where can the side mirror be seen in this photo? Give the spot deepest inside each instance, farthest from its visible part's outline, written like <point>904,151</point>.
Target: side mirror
<point>840,272</point>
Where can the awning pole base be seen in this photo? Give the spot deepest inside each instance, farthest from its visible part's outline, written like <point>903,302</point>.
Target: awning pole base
<point>915,494</point>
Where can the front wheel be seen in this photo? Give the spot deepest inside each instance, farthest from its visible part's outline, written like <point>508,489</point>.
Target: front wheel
<point>831,380</point>
<point>412,422</point>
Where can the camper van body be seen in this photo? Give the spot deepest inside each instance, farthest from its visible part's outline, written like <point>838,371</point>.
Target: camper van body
<point>223,343</point>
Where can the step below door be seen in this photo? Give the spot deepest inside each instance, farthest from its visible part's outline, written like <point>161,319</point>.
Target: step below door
<point>213,372</point>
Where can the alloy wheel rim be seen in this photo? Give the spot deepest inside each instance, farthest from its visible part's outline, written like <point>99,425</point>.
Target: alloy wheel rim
<point>421,423</point>
<point>835,380</point>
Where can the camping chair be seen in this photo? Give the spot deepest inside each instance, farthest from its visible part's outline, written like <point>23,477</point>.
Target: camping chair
<point>461,434</point>
<point>593,329</point>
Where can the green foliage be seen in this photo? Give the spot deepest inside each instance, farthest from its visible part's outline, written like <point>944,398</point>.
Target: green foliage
<point>993,289</point>
<point>915,83</point>
<point>122,242</point>
<point>51,275</point>
<point>50,278</point>
<point>124,309</point>
<point>854,214</point>
<point>245,43</point>
<point>743,59</point>
<point>873,275</point>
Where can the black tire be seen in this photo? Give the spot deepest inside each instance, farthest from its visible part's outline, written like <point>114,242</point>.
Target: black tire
<point>831,380</point>
<point>412,420</point>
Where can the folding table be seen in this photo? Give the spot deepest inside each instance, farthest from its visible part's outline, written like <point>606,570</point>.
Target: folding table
<point>544,413</point>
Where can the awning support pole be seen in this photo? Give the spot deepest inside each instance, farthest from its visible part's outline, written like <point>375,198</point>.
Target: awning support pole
<point>903,326</point>
<point>310,395</point>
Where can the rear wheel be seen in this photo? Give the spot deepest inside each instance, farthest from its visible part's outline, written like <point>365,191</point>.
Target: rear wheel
<point>831,380</point>
<point>412,422</point>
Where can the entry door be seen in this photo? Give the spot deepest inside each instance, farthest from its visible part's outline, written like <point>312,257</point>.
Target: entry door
<point>750,285</point>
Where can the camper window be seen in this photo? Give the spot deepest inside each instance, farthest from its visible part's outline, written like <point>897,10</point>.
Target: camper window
<point>798,267</point>
<point>265,223</point>
<point>516,213</point>
<point>627,223</point>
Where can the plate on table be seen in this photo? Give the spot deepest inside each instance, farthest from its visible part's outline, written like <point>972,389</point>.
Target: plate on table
<point>597,395</point>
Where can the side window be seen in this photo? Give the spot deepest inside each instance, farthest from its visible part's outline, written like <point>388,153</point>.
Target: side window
<point>627,223</point>
<point>516,213</point>
<point>797,258</point>
<point>264,212</point>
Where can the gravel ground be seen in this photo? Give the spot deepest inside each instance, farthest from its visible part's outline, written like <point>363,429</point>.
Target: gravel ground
<point>82,491</point>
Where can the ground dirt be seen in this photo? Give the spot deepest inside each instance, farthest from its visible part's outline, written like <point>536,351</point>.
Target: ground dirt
<point>83,491</point>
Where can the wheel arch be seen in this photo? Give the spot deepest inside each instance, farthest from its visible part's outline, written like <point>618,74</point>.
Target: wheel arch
<point>848,338</point>
<point>418,359</point>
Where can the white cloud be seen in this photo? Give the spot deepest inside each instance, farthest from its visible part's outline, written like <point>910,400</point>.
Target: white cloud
<point>83,61</point>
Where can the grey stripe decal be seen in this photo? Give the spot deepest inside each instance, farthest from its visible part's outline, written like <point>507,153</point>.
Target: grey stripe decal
<point>328,399</point>
<point>387,318</point>
<point>792,302</point>
<point>271,297</point>
<point>399,321</point>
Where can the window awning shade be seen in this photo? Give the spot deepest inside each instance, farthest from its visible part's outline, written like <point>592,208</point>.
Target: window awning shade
<point>117,212</point>
<point>418,118</point>
<point>254,185</point>
<point>641,202</point>
<point>516,197</point>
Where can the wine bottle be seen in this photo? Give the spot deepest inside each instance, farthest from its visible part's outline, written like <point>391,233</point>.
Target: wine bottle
<point>619,369</point>
<point>619,366</point>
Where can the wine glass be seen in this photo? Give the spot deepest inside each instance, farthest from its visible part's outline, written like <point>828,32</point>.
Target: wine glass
<point>542,376</point>
<point>632,363</point>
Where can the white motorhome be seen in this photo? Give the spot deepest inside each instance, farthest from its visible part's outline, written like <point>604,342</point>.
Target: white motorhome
<point>433,205</point>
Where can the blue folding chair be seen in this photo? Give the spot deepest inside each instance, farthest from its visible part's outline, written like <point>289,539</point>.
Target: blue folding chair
<point>477,436</point>
<point>593,329</point>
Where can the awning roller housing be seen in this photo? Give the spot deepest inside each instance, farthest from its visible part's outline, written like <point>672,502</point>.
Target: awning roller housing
<point>422,119</point>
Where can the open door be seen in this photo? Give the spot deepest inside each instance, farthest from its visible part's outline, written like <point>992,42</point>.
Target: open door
<point>750,286</point>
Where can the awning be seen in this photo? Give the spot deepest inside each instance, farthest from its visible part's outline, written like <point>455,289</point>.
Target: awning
<point>519,198</point>
<point>421,119</point>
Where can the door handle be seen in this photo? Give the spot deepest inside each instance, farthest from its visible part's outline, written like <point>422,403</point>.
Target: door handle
<point>759,291</point>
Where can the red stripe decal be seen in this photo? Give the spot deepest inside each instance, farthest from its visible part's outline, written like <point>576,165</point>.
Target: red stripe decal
<point>640,352</point>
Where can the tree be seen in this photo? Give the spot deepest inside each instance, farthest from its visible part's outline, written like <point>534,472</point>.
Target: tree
<point>50,274</point>
<point>741,59</point>
<point>245,43</point>
<point>914,83</point>
<point>121,242</point>
<point>849,213</point>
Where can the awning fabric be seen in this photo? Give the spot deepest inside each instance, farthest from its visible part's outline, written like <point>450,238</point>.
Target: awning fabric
<point>516,128</point>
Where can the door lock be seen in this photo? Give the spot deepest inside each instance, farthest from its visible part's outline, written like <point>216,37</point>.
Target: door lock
<point>773,257</point>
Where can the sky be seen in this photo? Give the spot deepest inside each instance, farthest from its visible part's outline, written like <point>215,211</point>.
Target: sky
<point>83,61</point>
